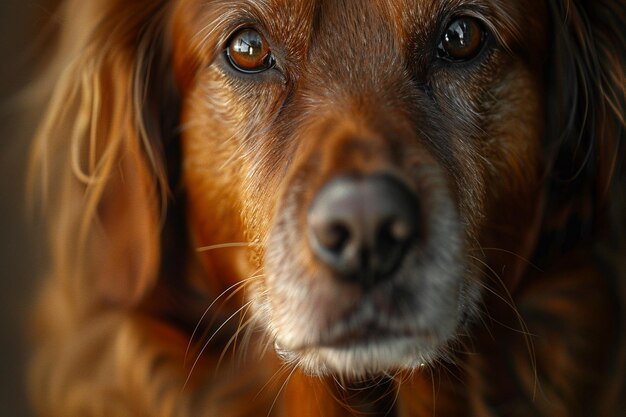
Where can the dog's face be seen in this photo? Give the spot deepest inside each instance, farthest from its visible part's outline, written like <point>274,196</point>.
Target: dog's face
<point>369,151</point>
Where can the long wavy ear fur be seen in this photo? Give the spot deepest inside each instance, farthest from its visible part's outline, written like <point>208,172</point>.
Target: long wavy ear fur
<point>97,156</point>
<point>586,139</point>
<point>586,118</point>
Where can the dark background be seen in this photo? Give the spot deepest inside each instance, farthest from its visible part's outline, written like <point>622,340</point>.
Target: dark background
<point>21,254</point>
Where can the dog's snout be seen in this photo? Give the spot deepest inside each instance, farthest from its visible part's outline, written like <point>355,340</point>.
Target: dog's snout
<point>362,227</point>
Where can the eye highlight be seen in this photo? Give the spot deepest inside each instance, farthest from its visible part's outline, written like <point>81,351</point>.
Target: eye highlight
<point>248,52</point>
<point>462,40</point>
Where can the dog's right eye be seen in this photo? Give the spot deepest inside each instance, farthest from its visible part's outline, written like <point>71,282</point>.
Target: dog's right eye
<point>462,41</point>
<point>249,52</point>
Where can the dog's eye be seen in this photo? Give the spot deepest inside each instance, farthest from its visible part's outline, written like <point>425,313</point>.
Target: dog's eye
<point>462,40</point>
<point>249,52</point>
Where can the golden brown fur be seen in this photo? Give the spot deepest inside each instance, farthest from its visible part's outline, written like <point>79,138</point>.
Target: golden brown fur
<point>149,149</point>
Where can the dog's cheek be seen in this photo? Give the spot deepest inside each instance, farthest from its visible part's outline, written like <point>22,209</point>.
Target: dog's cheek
<point>212,178</point>
<point>515,128</point>
<point>497,148</point>
<point>498,145</point>
<point>512,153</point>
<point>208,143</point>
<point>228,160</point>
<point>211,192</point>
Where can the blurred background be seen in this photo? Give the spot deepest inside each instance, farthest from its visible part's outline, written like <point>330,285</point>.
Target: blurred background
<point>21,250</point>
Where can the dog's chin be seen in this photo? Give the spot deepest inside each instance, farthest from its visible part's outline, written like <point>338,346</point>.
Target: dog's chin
<point>375,344</point>
<point>392,328</point>
<point>361,359</point>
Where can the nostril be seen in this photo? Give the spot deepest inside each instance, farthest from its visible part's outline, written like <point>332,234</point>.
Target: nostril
<point>393,232</point>
<point>400,230</point>
<point>392,239</point>
<point>332,236</point>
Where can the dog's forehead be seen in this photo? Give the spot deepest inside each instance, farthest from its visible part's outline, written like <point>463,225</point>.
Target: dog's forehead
<point>404,15</point>
<point>354,9</point>
<point>354,19</point>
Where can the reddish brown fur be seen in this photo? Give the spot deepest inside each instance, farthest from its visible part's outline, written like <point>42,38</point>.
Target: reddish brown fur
<point>151,149</point>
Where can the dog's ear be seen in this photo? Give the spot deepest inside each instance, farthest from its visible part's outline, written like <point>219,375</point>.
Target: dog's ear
<point>98,153</point>
<point>586,90</point>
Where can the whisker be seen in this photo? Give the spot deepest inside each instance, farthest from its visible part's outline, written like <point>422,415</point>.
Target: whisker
<point>484,312</point>
<point>241,284</point>
<point>233,339</point>
<point>341,401</point>
<point>226,245</point>
<point>281,370</point>
<point>398,381</point>
<point>432,382</point>
<point>248,330</point>
<point>241,326</point>
<point>509,300</point>
<point>206,344</point>
<point>282,387</point>
<point>525,331</point>
<point>231,295</point>
<point>518,256</point>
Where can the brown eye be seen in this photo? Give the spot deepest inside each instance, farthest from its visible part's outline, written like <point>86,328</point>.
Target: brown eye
<point>248,52</point>
<point>462,40</point>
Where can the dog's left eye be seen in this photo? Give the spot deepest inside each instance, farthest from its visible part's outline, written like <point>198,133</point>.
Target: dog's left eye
<point>462,40</point>
<point>249,52</point>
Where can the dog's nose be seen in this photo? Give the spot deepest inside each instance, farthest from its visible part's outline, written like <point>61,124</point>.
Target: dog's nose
<point>362,227</point>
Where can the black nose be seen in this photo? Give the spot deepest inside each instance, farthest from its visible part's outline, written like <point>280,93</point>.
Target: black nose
<point>362,227</point>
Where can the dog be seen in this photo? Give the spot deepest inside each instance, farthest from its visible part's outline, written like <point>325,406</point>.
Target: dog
<point>333,208</point>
